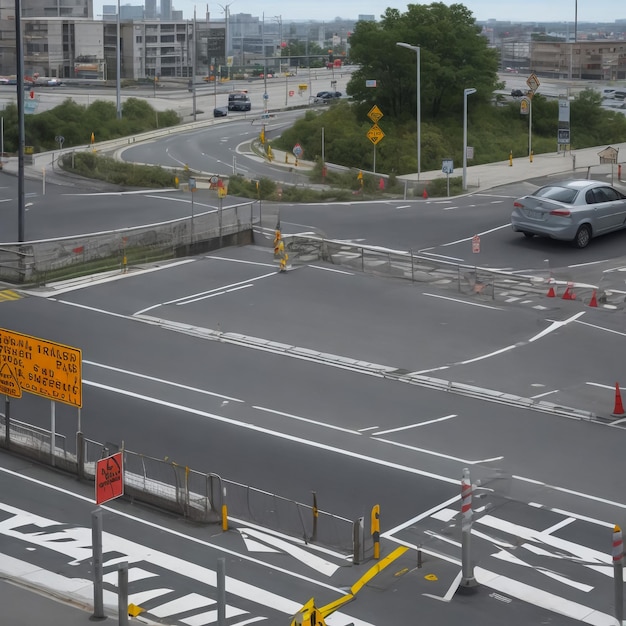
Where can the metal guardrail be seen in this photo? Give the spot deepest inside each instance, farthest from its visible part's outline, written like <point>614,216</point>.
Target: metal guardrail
<point>461,277</point>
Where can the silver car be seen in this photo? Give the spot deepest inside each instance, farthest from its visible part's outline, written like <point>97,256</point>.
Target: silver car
<point>572,210</point>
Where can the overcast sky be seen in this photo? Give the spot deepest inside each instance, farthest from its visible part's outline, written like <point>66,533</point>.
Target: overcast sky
<point>328,10</point>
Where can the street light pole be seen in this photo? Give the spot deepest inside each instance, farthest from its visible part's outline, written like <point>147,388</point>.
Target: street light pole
<point>118,83</point>
<point>418,112</point>
<point>466,92</point>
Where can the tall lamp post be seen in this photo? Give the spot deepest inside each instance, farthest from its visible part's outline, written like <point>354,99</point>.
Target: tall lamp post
<point>418,113</point>
<point>118,69</point>
<point>466,92</point>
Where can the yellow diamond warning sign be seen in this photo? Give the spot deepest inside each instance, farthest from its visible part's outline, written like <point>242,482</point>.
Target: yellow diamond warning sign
<point>375,134</point>
<point>45,368</point>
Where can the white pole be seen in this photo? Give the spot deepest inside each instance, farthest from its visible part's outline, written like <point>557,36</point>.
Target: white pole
<point>466,92</point>
<point>530,125</point>
<point>118,83</point>
<point>419,114</point>
<point>418,109</point>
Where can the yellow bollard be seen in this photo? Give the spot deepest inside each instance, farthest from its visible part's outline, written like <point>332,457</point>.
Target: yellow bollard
<point>531,156</point>
<point>375,529</point>
<point>224,517</point>
<point>511,158</point>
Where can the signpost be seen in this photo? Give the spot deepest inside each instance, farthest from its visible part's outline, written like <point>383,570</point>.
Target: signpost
<point>475,244</point>
<point>447,167</point>
<point>298,151</point>
<point>375,133</point>
<point>109,478</point>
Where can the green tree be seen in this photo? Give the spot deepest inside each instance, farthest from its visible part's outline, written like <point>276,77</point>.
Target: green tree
<point>453,57</point>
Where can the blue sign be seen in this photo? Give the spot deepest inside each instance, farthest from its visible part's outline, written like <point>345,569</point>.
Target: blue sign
<point>447,166</point>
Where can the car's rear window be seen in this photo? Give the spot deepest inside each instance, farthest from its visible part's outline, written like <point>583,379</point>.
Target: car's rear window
<point>560,194</point>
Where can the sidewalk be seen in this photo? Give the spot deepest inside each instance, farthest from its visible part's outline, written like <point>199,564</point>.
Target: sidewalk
<point>25,607</point>
<point>574,164</point>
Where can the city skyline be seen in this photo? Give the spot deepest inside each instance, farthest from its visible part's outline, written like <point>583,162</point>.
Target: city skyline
<point>328,10</point>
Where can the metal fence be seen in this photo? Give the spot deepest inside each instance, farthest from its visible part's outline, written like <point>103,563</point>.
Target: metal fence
<point>39,262</point>
<point>195,495</point>
<point>462,278</point>
<point>288,516</point>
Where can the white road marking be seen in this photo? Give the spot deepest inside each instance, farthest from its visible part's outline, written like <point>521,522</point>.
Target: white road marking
<point>484,232</point>
<point>504,555</point>
<point>214,295</point>
<point>279,435</point>
<point>75,543</point>
<point>451,590</point>
<point>564,522</point>
<point>482,306</point>
<point>487,356</point>
<point>313,561</point>
<point>329,269</point>
<point>418,424</point>
<point>441,256</point>
<point>445,515</point>
<point>161,381</point>
<point>196,296</point>
<point>221,258</point>
<point>437,454</point>
<point>306,419</point>
<point>363,430</point>
<point>555,326</point>
<point>543,599</point>
<point>189,602</point>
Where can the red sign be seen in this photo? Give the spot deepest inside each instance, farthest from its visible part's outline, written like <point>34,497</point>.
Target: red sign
<point>475,244</point>
<point>109,478</point>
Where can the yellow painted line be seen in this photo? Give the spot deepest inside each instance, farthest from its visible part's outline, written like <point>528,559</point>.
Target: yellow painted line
<point>359,584</point>
<point>379,567</point>
<point>9,294</point>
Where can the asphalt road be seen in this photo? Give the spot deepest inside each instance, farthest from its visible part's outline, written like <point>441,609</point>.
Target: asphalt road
<point>301,382</point>
<point>292,425</point>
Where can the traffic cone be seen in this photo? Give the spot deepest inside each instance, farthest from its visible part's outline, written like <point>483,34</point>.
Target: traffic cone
<point>569,295</point>
<point>551,292</point>
<point>619,407</point>
<point>594,300</point>
<point>425,194</point>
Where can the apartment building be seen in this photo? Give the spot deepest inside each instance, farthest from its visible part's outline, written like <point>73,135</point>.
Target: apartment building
<point>599,60</point>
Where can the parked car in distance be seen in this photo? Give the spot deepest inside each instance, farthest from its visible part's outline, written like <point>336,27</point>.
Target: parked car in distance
<point>325,97</point>
<point>220,112</point>
<point>608,94</point>
<point>517,93</point>
<point>571,210</point>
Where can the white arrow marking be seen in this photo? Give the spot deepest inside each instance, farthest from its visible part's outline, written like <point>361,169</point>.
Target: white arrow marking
<point>317,563</point>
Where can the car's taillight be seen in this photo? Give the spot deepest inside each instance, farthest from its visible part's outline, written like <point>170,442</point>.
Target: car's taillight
<point>518,205</point>
<point>561,212</point>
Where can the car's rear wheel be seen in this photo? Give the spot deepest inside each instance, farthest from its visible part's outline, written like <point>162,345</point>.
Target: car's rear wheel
<point>583,236</point>
<point>529,235</point>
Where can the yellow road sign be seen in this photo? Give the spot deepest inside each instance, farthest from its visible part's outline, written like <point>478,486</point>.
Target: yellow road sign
<point>533,82</point>
<point>45,368</point>
<point>375,134</point>
<point>375,114</point>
